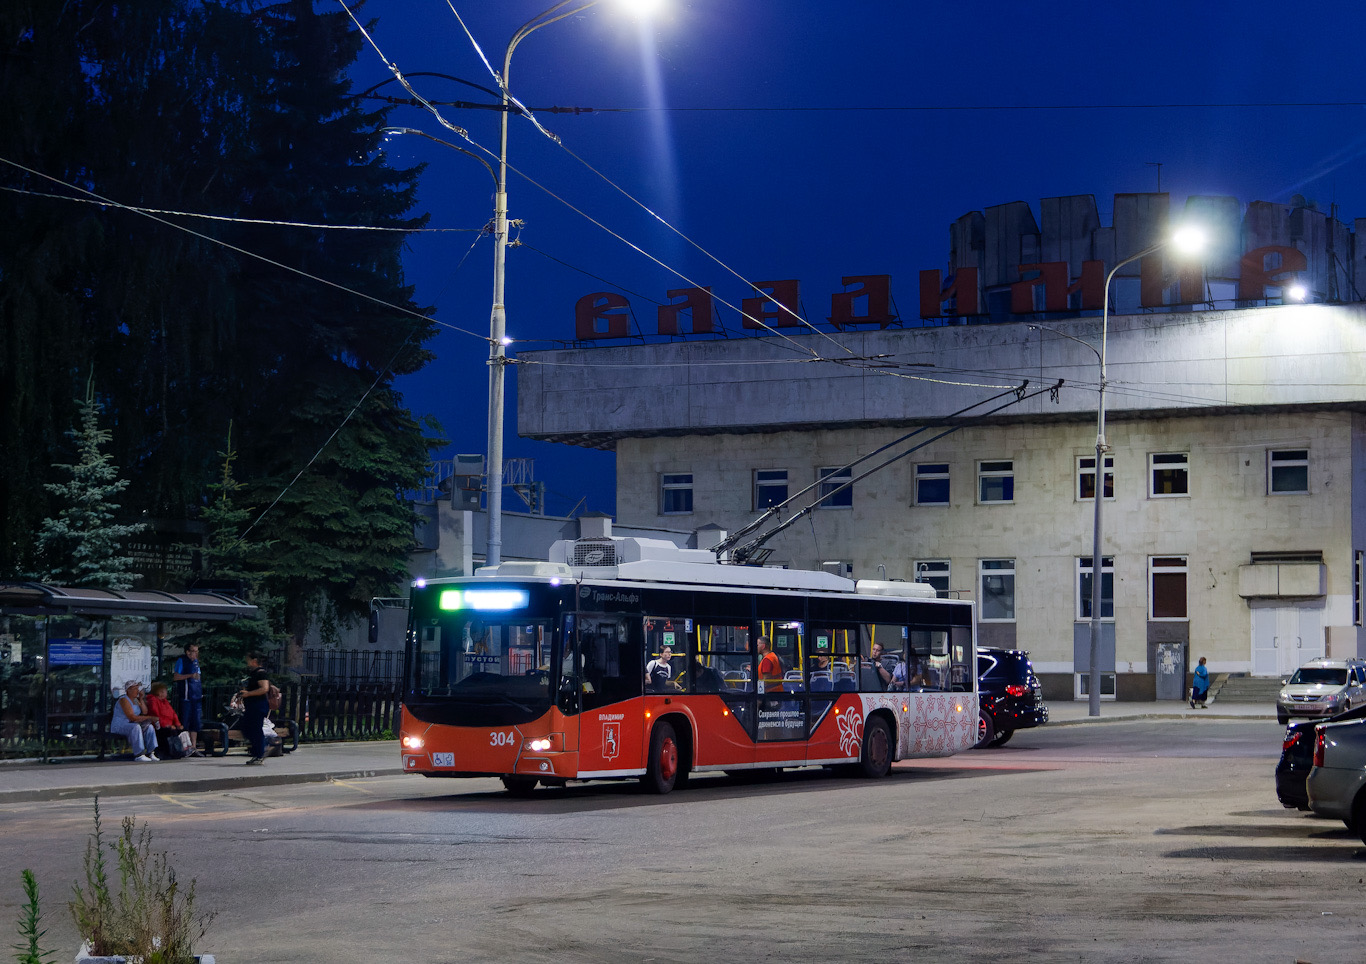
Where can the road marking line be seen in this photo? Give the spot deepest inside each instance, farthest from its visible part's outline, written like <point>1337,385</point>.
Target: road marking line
<point>350,786</point>
<point>180,803</point>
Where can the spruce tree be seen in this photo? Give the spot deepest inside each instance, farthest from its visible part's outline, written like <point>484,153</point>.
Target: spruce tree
<point>83,545</point>
<point>228,554</point>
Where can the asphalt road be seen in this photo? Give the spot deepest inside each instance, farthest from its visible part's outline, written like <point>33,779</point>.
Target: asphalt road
<point>1143,841</point>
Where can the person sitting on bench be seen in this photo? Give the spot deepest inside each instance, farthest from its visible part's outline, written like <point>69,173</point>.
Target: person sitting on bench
<point>133,722</point>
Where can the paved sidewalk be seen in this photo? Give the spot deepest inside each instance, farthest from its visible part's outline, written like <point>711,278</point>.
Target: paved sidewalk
<point>22,782</point>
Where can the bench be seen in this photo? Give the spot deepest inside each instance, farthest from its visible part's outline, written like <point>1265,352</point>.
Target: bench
<point>219,737</point>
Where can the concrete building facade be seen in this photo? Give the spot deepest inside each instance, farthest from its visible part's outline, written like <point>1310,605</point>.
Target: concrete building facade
<point>1235,521</point>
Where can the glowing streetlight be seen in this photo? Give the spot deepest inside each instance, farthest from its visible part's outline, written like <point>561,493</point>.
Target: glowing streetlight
<point>1296,292</point>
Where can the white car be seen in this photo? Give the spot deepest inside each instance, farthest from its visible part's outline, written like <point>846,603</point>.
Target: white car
<point>1337,784</point>
<point>1323,687</point>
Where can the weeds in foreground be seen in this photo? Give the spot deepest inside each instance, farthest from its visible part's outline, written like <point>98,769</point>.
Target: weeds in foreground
<point>150,916</point>
<point>30,926</point>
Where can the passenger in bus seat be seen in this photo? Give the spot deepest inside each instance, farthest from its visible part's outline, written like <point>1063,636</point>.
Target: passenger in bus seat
<point>704,679</point>
<point>658,672</point>
<point>884,677</point>
<point>898,683</point>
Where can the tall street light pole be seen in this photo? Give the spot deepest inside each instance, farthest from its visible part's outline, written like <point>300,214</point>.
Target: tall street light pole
<point>498,340</point>
<point>1188,240</point>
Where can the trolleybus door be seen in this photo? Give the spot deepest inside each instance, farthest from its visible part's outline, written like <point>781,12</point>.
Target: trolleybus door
<point>606,669</point>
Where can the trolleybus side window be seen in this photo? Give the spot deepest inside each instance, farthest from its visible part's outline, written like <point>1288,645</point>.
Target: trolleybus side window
<point>884,647</point>
<point>930,665</point>
<point>832,663</point>
<point>964,676</point>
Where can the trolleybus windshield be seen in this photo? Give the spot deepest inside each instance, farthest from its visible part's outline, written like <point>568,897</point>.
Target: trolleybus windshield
<point>483,648</point>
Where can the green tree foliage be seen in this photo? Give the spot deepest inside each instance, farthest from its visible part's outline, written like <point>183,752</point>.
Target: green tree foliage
<point>83,545</point>
<point>239,108</point>
<point>228,554</point>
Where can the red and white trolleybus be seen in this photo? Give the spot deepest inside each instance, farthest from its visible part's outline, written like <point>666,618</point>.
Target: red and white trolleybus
<point>633,658</point>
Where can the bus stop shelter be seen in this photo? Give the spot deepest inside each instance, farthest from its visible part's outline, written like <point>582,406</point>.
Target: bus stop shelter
<point>65,650</point>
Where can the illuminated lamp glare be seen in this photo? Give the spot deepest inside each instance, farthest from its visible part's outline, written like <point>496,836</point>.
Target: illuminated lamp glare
<point>450,599</point>
<point>412,742</point>
<point>1296,292</point>
<point>555,581</point>
<point>958,708</point>
<point>495,600</point>
<point>1189,239</point>
<point>647,714</point>
<point>420,583</point>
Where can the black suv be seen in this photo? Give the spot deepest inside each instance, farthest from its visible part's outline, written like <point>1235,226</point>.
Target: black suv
<point>1011,696</point>
<point>1297,757</point>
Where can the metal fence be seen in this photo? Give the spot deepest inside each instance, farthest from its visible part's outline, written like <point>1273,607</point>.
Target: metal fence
<point>338,695</point>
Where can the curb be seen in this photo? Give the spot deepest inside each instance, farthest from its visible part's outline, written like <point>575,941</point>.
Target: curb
<point>189,786</point>
<point>1131,717</point>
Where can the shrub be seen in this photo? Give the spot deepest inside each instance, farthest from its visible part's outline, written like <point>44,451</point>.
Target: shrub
<point>151,915</point>
<point>30,930</point>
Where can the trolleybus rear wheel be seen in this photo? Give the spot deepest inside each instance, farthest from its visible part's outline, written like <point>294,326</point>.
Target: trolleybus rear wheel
<point>662,770</point>
<point>519,786</point>
<point>877,749</point>
<point>986,730</point>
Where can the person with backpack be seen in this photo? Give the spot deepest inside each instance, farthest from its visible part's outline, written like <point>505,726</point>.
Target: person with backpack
<point>255,697</point>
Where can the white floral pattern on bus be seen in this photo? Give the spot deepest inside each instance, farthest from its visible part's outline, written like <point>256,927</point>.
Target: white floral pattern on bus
<point>931,723</point>
<point>851,732</point>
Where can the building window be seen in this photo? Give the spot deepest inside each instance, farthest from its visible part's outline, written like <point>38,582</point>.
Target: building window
<point>1167,587</point>
<point>675,493</point>
<point>995,481</point>
<point>934,572</point>
<point>1107,587</point>
<point>998,590</point>
<point>1086,478</point>
<point>932,483</point>
<point>770,487</point>
<point>1169,474</point>
<point>831,479</point>
<point>1287,471</point>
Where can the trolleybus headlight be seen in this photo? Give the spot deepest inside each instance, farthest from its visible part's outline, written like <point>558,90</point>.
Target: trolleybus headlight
<point>412,742</point>
<point>538,745</point>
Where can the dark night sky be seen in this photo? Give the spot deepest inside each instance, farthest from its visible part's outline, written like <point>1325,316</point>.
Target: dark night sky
<point>779,136</point>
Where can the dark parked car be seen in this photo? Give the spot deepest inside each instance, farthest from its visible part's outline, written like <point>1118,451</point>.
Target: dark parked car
<point>1011,696</point>
<point>1297,757</point>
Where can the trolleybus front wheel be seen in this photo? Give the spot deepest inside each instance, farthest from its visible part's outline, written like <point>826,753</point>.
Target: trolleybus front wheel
<point>519,786</point>
<point>877,749</point>
<point>662,770</point>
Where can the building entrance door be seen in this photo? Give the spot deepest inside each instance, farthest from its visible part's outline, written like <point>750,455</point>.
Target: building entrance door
<point>1285,636</point>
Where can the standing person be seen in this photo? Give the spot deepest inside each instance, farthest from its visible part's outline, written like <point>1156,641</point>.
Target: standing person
<point>658,672</point>
<point>131,720</point>
<point>1200,685</point>
<point>770,667</point>
<point>169,730</point>
<point>189,693</point>
<point>255,694</point>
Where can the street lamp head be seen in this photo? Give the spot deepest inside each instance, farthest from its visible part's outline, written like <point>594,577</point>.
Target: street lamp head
<point>1189,239</point>
<point>641,8</point>
<point>1296,292</point>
